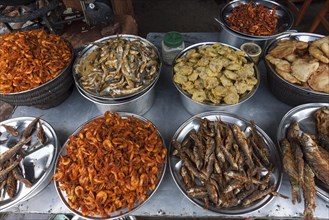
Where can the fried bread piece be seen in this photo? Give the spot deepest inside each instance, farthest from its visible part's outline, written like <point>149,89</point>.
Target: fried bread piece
<point>287,76</point>
<point>280,64</point>
<point>320,49</point>
<point>302,69</point>
<point>319,80</point>
<point>283,48</point>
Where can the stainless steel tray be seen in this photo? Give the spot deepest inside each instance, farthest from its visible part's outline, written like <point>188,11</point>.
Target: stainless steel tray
<point>120,213</point>
<point>303,115</point>
<point>36,167</point>
<point>193,123</point>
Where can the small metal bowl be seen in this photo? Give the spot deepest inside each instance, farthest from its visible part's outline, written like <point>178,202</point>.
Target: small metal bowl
<point>194,123</point>
<point>236,38</point>
<point>36,167</point>
<point>84,54</point>
<point>285,91</point>
<point>119,213</point>
<point>194,107</point>
<point>303,114</point>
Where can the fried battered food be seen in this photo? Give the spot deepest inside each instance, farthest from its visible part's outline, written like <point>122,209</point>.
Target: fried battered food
<point>31,58</point>
<point>112,163</point>
<point>319,80</point>
<point>302,63</point>
<point>253,19</point>
<point>215,73</point>
<point>284,48</point>
<point>302,69</point>
<point>320,49</point>
<point>280,64</point>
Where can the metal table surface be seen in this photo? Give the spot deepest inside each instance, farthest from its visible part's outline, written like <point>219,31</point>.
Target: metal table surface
<point>167,113</point>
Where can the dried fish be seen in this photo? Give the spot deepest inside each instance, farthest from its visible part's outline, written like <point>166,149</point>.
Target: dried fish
<point>18,176</point>
<point>197,192</point>
<point>212,192</point>
<point>4,173</point>
<point>256,195</point>
<point>314,159</point>
<point>11,130</point>
<point>323,141</point>
<point>119,67</point>
<point>309,193</point>
<point>219,165</point>
<point>30,128</point>
<point>291,169</point>
<point>13,150</point>
<point>11,185</point>
<point>41,133</point>
<point>242,142</point>
<point>322,120</point>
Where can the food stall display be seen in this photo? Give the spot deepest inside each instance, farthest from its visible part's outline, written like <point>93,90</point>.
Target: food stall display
<point>112,162</point>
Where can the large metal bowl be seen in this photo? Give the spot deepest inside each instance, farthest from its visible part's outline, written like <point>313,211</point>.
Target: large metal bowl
<point>193,123</point>
<point>285,91</point>
<point>194,107</point>
<point>36,166</point>
<point>138,104</point>
<point>303,114</point>
<point>236,38</point>
<point>83,55</point>
<point>123,212</point>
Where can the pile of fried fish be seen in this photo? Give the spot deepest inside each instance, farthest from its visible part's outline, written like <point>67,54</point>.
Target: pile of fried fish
<point>225,167</point>
<point>10,160</point>
<point>302,63</point>
<point>305,156</point>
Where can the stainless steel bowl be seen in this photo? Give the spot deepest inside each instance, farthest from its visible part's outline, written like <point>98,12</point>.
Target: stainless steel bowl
<point>193,123</point>
<point>138,104</point>
<point>194,107</point>
<point>36,166</point>
<point>235,38</point>
<point>303,114</point>
<point>120,213</point>
<point>285,91</point>
<point>83,55</point>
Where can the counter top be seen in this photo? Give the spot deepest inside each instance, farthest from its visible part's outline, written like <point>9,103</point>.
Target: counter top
<point>168,113</point>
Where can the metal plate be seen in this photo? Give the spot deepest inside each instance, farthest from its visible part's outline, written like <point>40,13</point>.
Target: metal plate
<point>303,114</point>
<point>285,17</point>
<point>84,54</point>
<point>193,123</point>
<point>188,96</point>
<point>36,166</point>
<point>120,213</point>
